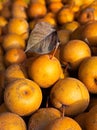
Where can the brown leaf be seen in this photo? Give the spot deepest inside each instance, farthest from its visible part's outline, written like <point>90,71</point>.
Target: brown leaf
<point>43,39</point>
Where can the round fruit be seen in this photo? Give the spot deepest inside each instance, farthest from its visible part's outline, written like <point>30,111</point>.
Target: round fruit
<point>55,6</point>
<point>65,15</point>
<point>14,72</point>
<point>63,123</point>
<point>19,9</point>
<point>37,10</point>
<point>91,36</point>
<point>14,55</point>
<point>77,33</point>
<point>86,15</point>
<point>23,97</point>
<point>6,11</point>
<point>13,41</point>
<point>16,12</point>
<point>93,102</point>
<point>45,70</point>
<point>18,26</point>
<point>80,119</point>
<point>87,73</point>
<point>71,26</point>
<point>11,121</point>
<point>91,121</point>
<point>74,52</point>
<point>71,95</point>
<point>93,109</point>
<point>80,2</point>
<point>48,19</point>
<point>42,117</point>
<point>64,36</point>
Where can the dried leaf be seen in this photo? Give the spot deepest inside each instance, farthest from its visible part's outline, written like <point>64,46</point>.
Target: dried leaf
<point>43,39</point>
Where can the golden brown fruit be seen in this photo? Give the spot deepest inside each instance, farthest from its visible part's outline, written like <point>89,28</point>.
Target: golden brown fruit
<point>94,7</point>
<point>64,36</point>
<point>86,15</point>
<point>65,15</point>
<point>19,9</point>
<point>87,73</point>
<point>55,6</point>
<point>6,10</point>
<point>51,14</point>
<point>14,55</point>
<point>63,123</point>
<point>45,70</point>
<point>93,102</point>
<point>49,20</point>
<point>19,26</point>
<point>77,33</point>
<point>80,3</point>
<point>71,26</point>
<point>23,97</point>
<point>93,109</point>
<point>36,10</point>
<point>13,41</point>
<point>42,117</point>
<point>74,52</point>
<point>90,36</point>
<point>14,72</point>
<point>16,12</point>
<point>80,119</point>
<point>70,95</point>
<point>91,120</point>
<point>12,121</point>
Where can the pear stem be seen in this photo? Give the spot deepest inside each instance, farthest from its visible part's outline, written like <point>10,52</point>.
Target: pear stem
<point>55,50</point>
<point>47,102</point>
<point>63,110</point>
<point>66,65</point>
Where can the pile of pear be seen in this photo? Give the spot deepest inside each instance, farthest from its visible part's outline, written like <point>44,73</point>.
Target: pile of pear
<point>56,87</point>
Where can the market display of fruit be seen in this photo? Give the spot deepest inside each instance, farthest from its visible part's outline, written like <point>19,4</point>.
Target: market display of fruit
<point>48,64</point>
